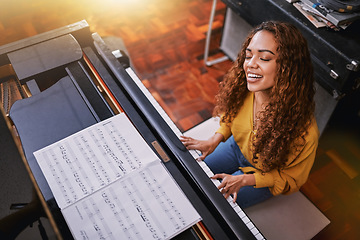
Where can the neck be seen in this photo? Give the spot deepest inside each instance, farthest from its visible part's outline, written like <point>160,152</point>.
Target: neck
<point>261,98</point>
<point>260,101</point>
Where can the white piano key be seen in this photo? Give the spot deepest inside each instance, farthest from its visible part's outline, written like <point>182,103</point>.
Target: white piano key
<point>206,168</point>
<point>254,230</point>
<point>216,182</point>
<point>242,214</point>
<point>250,225</point>
<point>246,219</point>
<point>259,236</point>
<point>202,164</point>
<point>235,206</point>
<point>237,209</point>
<point>195,154</point>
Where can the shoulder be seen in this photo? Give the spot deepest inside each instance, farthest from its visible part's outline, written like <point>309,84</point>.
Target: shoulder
<point>313,132</point>
<point>312,136</point>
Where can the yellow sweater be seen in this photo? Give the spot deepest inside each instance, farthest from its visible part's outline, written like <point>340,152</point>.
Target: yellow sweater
<point>298,166</point>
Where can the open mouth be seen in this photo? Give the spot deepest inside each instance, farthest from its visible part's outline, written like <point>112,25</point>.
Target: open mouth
<point>251,77</point>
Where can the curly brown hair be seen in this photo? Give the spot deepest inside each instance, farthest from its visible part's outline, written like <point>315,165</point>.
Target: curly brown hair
<point>291,107</point>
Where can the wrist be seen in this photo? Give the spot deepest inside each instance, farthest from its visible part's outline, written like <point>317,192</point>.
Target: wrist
<point>249,179</point>
<point>216,138</point>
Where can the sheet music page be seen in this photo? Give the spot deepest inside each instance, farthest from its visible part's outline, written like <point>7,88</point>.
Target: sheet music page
<point>142,205</point>
<point>108,183</point>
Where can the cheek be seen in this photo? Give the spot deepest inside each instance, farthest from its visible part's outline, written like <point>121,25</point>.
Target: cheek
<point>271,73</point>
<point>244,65</point>
<point>271,81</point>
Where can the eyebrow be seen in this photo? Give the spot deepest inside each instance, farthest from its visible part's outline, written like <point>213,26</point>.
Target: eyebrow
<point>262,50</point>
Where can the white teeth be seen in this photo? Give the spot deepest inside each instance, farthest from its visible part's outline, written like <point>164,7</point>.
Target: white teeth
<point>251,75</point>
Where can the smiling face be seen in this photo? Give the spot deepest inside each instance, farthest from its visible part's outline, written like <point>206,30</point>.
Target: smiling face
<point>260,62</point>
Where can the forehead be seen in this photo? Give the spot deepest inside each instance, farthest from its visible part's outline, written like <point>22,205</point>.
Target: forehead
<point>263,40</point>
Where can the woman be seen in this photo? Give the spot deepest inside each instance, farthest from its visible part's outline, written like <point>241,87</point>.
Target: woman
<point>268,135</point>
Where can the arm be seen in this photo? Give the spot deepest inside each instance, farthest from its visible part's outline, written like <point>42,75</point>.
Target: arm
<point>205,146</point>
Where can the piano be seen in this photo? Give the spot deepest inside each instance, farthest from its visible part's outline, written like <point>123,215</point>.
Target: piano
<point>68,79</point>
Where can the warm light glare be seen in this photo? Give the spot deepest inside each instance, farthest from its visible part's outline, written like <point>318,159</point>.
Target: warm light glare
<point>121,6</point>
<point>124,3</point>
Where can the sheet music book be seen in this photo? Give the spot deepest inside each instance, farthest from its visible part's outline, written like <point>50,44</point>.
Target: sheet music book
<point>334,17</point>
<point>109,184</point>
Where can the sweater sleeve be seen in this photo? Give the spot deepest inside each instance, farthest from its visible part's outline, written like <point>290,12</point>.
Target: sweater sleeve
<point>225,130</point>
<point>295,173</point>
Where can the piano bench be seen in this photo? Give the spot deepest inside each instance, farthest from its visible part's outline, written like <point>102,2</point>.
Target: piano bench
<point>288,217</point>
<point>281,217</point>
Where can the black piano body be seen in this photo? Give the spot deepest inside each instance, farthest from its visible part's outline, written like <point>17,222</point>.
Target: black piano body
<point>59,69</point>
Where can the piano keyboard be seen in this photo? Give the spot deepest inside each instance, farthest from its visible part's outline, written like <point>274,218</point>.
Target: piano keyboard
<point>194,153</point>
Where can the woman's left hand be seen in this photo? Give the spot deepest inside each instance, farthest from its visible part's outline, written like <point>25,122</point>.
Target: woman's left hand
<point>231,184</point>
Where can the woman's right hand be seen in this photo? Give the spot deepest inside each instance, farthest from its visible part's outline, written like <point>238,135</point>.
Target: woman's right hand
<point>205,146</point>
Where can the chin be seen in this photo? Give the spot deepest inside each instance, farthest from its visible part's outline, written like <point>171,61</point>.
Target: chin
<point>258,87</point>
<point>252,88</point>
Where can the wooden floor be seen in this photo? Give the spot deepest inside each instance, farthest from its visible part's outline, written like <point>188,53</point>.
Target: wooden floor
<point>165,41</point>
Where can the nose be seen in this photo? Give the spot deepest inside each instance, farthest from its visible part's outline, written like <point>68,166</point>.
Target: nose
<point>252,62</point>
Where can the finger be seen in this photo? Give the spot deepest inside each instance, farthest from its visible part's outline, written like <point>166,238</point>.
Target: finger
<point>188,140</point>
<point>191,146</point>
<point>222,186</point>
<point>185,140</point>
<point>226,195</point>
<point>185,137</point>
<point>219,175</point>
<point>234,196</point>
<point>202,157</point>
<point>187,144</point>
